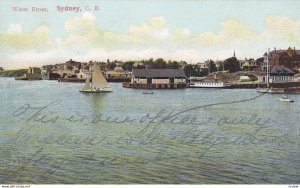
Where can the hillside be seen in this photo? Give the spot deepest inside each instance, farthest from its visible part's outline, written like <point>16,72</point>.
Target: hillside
<point>13,72</point>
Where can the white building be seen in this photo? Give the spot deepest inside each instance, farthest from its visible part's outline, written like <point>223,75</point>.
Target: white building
<point>277,73</point>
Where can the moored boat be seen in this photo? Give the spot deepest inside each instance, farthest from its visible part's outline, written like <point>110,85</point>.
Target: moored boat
<point>148,92</point>
<point>202,84</point>
<point>97,83</point>
<point>285,98</point>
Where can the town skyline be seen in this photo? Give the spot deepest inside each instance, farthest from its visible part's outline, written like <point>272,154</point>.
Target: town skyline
<point>191,31</point>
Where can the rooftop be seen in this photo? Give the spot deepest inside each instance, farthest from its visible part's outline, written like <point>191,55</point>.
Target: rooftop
<point>278,69</point>
<point>158,73</point>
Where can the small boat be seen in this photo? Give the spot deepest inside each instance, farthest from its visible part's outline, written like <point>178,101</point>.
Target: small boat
<point>285,98</point>
<point>96,83</point>
<point>148,92</point>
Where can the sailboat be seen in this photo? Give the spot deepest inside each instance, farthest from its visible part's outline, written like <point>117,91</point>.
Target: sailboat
<point>96,83</point>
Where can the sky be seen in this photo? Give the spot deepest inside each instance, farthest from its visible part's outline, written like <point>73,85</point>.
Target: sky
<point>192,30</point>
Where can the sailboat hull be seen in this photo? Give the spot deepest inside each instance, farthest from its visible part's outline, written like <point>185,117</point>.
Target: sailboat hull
<point>96,91</point>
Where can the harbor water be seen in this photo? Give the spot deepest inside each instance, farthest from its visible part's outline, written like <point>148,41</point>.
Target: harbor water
<point>50,133</point>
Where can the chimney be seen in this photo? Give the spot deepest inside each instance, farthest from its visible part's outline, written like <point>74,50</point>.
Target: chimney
<point>275,49</point>
<point>294,49</point>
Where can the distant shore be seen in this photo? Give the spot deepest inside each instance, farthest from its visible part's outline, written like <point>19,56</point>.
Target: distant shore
<point>12,72</point>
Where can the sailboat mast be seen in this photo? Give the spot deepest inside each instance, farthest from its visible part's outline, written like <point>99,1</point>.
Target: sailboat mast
<point>92,67</point>
<point>268,68</point>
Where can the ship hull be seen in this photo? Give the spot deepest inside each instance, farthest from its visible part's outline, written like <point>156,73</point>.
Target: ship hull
<point>96,91</point>
<point>207,85</point>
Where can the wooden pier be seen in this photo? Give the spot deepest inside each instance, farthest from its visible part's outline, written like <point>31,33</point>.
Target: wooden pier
<point>154,86</point>
<point>264,85</point>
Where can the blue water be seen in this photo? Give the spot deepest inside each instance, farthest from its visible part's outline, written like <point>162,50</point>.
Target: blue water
<point>51,133</point>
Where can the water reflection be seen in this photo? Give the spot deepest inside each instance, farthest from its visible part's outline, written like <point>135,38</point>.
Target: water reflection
<point>97,100</point>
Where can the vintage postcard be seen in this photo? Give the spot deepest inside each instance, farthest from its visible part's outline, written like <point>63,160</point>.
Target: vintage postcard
<point>149,92</point>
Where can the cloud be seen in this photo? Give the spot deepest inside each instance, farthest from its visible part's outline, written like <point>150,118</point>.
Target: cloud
<point>17,40</point>
<point>283,29</point>
<point>233,33</point>
<point>14,29</point>
<point>155,29</point>
<point>81,25</point>
<point>85,40</point>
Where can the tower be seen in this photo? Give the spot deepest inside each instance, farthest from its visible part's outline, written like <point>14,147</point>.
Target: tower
<point>234,53</point>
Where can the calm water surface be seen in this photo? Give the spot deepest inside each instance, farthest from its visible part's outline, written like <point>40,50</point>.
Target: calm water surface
<point>51,133</point>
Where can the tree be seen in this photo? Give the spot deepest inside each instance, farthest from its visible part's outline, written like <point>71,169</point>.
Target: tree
<point>173,65</point>
<point>188,69</point>
<point>141,67</point>
<point>160,63</point>
<point>232,64</point>
<point>111,65</point>
<point>128,65</point>
<point>212,66</point>
<point>193,70</point>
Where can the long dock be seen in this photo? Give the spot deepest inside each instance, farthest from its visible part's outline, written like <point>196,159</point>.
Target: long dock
<point>264,85</point>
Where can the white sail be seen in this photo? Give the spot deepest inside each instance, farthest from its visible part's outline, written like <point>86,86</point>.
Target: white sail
<point>87,84</point>
<point>98,79</point>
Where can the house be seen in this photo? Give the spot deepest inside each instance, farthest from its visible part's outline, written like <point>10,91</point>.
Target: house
<point>72,64</point>
<point>277,73</point>
<point>203,65</point>
<point>249,65</point>
<point>34,70</point>
<point>289,58</point>
<point>33,73</point>
<point>83,74</point>
<point>63,72</point>
<point>118,69</point>
<point>137,64</point>
<point>219,65</point>
<point>158,76</point>
<point>117,74</point>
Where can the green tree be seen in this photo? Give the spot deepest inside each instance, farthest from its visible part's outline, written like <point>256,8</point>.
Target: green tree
<point>203,72</point>
<point>232,64</point>
<point>193,70</point>
<point>128,65</point>
<point>111,65</point>
<point>159,64</point>
<point>188,70</point>
<point>141,67</point>
<point>212,66</point>
<point>173,65</point>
